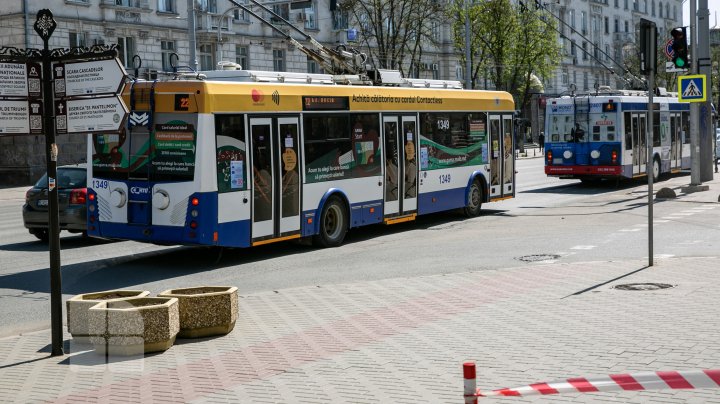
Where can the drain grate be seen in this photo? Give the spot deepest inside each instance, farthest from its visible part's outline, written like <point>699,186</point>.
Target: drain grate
<point>537,257</point>
<point>643,286</point>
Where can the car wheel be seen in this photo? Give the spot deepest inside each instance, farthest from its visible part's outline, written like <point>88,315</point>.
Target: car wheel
<point>474,202</point>
<point>333,223</point>
<point>42,235</point>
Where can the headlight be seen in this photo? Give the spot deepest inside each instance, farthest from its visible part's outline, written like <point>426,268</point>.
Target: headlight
<point>567,154</point>
<point>594,154</point>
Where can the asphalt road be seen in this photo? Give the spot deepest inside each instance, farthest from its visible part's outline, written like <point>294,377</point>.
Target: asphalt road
<point>550,220</point>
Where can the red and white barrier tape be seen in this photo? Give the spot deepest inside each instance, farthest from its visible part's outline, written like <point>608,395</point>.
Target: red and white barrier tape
<point>692,379</point>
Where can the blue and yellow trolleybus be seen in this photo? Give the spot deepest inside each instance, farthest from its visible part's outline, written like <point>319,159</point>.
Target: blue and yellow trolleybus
<point>602,135</point>
<point>241,158</point>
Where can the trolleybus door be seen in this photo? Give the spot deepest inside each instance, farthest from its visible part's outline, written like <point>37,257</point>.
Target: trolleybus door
<point>496,156</point>
<point>638,145</point>
<point>675,141</point>
<point>401,168</point>
<point>275,178</point>
<point>508,155</point>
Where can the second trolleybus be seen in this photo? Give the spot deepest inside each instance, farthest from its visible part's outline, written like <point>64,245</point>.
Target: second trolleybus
<point>603,135</point>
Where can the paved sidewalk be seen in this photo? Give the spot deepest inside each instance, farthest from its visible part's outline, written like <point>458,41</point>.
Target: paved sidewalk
<point>404,341</point>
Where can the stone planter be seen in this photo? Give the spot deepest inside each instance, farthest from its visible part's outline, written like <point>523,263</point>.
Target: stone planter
<point>205,310</point>
<point>134,326</point>
<point>77,309</point>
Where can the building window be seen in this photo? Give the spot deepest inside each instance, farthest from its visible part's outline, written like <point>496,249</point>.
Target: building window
<point>126,50</point>
<point>208,5</point>
<point>128,3</point>
<point>167,47</point>
<point>607,25</point>
<point>617,25</point>
<point>607,52</point>
<point>585,51</point>
<point>167,6</point>
<point>583,22</point>
<point>565,77</point>
<point>240,14</point>
<point>309,17</point>
<point>627,27</point>
<point>312,66</point>
<point>571,17</point>
<point>436,30</point>
<point>241,56</point>
<point>617,3</point>
<point>626,4</point>
<point>340,19</point>
<point>77,39</point>
<point>206,57</point>
<point>586,81</point>
<point>278,60</point>
<point>283,10</point>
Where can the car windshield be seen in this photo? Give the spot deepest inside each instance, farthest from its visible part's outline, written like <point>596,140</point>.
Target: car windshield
<point>67,178</point>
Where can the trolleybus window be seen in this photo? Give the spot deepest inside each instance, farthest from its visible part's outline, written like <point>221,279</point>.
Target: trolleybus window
<point>453,140</point>
<point>231,153</point>
<point>339,146</point>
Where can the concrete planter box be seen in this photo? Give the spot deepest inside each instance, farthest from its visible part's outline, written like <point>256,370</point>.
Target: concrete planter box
<point>134,326</point>
<point>78,306</point>
<point>206,310</point>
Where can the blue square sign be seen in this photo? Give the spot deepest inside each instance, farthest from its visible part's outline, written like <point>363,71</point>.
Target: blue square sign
<point>692,88</point>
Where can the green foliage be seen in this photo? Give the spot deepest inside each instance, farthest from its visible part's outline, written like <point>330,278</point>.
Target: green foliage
<point>509,44</point>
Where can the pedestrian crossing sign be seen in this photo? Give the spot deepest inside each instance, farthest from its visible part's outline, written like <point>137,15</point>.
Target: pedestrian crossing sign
<point>692,88</point>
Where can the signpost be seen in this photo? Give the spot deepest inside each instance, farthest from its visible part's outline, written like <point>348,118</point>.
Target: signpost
<point>90,115</point>
<point>86,84</point>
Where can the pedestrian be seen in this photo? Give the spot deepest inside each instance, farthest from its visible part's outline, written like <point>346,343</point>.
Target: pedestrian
<point>541,141</point>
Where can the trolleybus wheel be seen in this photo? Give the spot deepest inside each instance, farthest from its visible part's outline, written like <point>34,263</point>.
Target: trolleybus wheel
<point>474,202</point>
<point>333,223</point>
<point>656,169</point>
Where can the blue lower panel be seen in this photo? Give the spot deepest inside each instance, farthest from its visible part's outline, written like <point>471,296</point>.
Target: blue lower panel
<point>441,200</point>
<point>154,234</point>
<point>234,234</point>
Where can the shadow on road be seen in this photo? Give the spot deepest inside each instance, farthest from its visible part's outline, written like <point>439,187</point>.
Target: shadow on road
<point>66,243</point>
<point>173,262</point>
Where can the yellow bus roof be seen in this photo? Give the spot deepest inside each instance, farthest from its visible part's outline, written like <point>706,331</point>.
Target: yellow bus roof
<point>255,97</point>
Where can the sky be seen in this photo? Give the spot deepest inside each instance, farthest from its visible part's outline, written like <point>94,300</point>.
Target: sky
<point>713,5</point>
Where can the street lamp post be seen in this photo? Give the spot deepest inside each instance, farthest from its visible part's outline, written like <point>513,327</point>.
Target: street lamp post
<point>219,34</point>
<point>191,35</point>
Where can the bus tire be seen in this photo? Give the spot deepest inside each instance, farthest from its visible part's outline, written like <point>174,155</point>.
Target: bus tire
<point>474,200</point>
<point>656,169</point>
<point>333,223</point>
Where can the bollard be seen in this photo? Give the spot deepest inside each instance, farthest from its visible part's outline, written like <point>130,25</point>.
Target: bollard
<point>470,383</point>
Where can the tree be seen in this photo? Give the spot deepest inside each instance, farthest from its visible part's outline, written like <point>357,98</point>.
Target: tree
<point>395,32</point>
<point>510,43</point>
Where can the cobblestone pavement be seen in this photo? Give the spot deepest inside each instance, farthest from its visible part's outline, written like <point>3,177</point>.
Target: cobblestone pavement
<point>404,340</point>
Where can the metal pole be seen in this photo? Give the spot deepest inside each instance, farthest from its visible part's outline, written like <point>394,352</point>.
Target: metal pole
<point>705,67</point>
<point>468,64</point>
<point>694,106</point>
<point>44,26</point>
<point>191,34</point>
<point>649,135</point>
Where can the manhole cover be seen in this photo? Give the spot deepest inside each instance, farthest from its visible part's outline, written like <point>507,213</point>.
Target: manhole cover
<point>644,286</point>
<point>538,257</point>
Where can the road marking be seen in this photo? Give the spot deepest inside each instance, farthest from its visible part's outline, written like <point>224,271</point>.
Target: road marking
<point>582,247</point>
<point>660,221</point>
<point>629,230</point>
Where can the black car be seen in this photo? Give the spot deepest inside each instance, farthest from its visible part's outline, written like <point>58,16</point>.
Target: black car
<point>72,197</point>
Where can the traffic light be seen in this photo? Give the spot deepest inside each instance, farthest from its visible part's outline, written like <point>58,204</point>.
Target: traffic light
<point>680,48</point>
